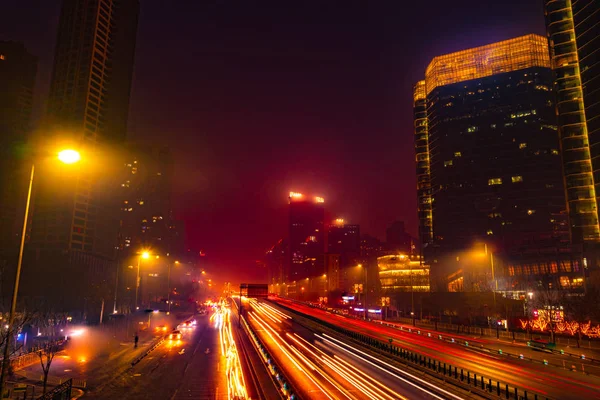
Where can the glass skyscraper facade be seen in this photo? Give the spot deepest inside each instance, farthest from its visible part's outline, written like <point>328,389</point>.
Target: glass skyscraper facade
<point>485,127</point>
<point>581,164</point>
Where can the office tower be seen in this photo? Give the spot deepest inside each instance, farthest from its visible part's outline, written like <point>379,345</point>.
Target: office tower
<point>275,262</point>
<point>75,223</point>
<point>494,159</point>
<point>574,38</point>
<point>344,239</point>
<point>306,237</point>
<point>424,207</point>
<point>18,69</point>
<point>146,201</point>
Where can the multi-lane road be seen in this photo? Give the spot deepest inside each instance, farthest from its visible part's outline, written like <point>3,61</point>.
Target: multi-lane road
<point>548,380</point>
<point>323,367</point>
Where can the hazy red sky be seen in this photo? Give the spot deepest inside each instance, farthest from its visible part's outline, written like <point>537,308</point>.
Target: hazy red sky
<point>259,98</point>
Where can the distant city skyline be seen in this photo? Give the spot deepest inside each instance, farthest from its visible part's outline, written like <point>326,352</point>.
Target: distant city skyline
<point>324,138</point>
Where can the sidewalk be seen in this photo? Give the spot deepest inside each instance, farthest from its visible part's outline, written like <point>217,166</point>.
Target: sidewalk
<point>494,339</point>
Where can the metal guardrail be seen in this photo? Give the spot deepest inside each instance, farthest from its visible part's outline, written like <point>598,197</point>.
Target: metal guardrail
<point>150,350</point>
<point>461,377</point>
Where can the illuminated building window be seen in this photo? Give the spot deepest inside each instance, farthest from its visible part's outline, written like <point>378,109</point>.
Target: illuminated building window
<point>472,129</point>
<point>493,126</point>
<point>495,215</point>
<point>554,152</point>
<point>530,212</point>
<point>517,178</point>
<point>522,145</point>
<point>490,232</point>
<point>457,154</point>
<point>2,57</point>
<point>494,181</point>
<point>448,163</point>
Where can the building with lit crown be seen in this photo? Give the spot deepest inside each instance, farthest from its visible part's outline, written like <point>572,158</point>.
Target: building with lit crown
<point>488,163</point>
<point>306,237</point>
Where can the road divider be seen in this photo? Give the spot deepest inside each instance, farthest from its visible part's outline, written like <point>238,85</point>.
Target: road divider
<point>270,363</point>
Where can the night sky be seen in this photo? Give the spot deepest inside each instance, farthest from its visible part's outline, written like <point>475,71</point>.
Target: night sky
<point>258,98</point>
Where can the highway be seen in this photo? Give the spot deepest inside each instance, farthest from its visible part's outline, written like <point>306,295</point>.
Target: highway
<point>548,380</point>
<point>325,368</point>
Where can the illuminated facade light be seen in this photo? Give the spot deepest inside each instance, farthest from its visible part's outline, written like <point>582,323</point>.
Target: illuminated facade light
<point>319,199</point>
<point>400,273</point>
<point>339,221</point>
<point>295,195</point>
<point>509,55</point>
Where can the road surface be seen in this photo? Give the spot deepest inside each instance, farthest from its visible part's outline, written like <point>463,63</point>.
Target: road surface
<point>551,381</point>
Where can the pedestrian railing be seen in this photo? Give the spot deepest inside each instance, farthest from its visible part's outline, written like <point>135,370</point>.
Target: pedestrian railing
<point>60,392</point>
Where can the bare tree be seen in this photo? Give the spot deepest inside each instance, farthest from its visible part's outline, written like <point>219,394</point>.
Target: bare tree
<point>53,344</point>
<point>46,354</point>
<point>7,336</point>
<point>549,302</point>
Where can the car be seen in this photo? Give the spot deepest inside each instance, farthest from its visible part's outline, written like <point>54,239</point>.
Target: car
<point>175,335</point>
<point>189,324</point>
<point>161,328</point>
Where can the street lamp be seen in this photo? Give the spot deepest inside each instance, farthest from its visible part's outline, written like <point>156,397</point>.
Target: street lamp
<point>169,287</point>
<point>493,272</point>
<point>67,156</point>
<point>365,289</point>
<point>144,255</point>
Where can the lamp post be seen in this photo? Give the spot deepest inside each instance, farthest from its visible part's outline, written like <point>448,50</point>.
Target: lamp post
<point>365,289</point>
<point>493,272</point>
<point>66,157</point>
<point>144,255</point>
<point>169,287</point>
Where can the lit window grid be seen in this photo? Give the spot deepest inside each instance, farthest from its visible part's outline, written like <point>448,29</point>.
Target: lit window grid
<point>424,207</point>
<point>573,134</point>
<point>419,91</point>
<point>508,55</point>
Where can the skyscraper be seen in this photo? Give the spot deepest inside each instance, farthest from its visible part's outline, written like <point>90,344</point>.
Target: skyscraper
<point>397,239</point>
<point>146,213</point>
<point>306,237</point>
<point>574,39</point>
<point>493,157</point>
<point>424,208</point>
<point>75,222</point>
<point>18,70</point>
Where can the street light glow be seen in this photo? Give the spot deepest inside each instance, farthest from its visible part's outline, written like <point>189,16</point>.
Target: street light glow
<point>145,254</point>
<point>69,156</point>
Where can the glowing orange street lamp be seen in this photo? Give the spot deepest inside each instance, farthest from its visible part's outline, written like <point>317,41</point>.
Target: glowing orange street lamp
<point>68,156</point>
<point>145,255</point>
